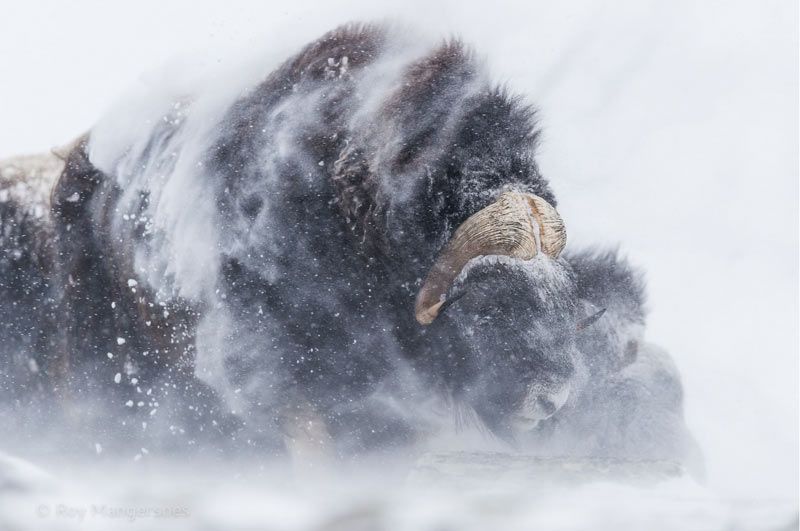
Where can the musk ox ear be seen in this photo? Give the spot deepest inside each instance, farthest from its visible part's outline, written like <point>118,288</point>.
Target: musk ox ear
<point>518,225</point>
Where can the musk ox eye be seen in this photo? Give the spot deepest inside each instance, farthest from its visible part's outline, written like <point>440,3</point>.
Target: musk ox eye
<point>449,302</point>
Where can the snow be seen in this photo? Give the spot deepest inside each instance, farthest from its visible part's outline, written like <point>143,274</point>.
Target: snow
<point>232,495</point>
<point>669,128</point>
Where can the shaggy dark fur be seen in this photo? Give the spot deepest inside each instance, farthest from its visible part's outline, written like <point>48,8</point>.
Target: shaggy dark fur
<point>332,198</point>
<point>107,327</point>
<point>362,210</point>
<point>26,267</point>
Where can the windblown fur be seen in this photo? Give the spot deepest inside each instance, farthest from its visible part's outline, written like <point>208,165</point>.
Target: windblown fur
<point>265,254</point>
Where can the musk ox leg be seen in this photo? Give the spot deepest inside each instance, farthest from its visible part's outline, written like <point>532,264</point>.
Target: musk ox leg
<point>306,435</point>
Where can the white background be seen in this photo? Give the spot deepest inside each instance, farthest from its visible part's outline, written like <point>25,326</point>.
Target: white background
<point>671,129</point>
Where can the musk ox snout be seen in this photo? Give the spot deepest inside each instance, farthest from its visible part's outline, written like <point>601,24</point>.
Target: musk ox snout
<point>516,322</point>
<point>541,403</point>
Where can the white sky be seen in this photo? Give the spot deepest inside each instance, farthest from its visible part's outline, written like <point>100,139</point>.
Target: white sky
<point>671,128</point>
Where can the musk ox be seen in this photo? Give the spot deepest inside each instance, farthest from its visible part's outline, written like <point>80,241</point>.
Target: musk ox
<point>340,244</point>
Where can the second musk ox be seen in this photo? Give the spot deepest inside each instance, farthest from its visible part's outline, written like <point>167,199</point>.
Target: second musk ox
<point>360,234</point>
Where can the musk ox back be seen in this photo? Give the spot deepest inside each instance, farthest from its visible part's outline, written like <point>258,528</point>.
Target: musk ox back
<point>334,245</point>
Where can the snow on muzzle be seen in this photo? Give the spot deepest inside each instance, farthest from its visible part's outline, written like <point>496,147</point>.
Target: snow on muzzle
<point>540,404</point>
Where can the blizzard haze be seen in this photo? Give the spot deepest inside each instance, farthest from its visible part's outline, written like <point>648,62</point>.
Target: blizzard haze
<point>670,130</point>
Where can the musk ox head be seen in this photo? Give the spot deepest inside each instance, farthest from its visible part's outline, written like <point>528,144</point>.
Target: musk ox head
<point>500,292</point>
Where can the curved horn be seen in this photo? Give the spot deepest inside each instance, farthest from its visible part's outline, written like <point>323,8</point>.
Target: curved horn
<point>516,225</point>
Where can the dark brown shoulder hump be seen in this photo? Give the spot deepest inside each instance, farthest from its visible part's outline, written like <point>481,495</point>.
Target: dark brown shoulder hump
<point>431,89</point>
